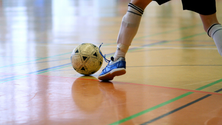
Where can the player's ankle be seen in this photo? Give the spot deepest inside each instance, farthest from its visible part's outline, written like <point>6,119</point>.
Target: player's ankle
<point>215,31</point>
<point>211,30</point>
<point>121,51</point>
<point>117,57</point>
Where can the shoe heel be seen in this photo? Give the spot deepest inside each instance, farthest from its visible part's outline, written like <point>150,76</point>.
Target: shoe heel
<point>118,72</point>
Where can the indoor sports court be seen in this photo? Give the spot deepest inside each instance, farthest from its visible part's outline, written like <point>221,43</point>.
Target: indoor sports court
<point>174,71</point>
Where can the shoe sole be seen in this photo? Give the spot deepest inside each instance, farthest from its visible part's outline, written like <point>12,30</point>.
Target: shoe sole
<point>112,74</point>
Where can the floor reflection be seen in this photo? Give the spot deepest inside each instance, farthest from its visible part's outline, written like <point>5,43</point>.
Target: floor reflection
<point>90,95</point>
<point>216,120</point>
<point>86,94</point>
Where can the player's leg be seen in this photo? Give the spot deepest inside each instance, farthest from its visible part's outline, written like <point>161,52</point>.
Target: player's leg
<point>213,29</point>
<point>129,26</point>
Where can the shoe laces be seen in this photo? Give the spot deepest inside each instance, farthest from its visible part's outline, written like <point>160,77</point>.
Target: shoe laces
<point>104,56</point>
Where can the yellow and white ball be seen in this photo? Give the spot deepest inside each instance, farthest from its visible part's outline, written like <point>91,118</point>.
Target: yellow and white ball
<point>86,59</point>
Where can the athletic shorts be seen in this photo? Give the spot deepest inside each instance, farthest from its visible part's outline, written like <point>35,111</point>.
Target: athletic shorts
<point>204,7</point>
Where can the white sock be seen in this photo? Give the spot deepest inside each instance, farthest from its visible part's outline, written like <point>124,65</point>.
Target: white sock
<point>129,26</point>
<point>215,31</point>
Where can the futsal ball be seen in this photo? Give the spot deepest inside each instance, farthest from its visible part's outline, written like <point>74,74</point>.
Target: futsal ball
<point>86,59</point>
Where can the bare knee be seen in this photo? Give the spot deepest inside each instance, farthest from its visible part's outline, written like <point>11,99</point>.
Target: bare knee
<point>141,3</point>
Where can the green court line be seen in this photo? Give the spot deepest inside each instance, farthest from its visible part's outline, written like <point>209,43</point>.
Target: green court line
<point>208,85</point>
<point>164,103</point>
<point>151,109</point>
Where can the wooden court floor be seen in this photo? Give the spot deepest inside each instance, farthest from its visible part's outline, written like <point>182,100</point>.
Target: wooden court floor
<point>174,72</point>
